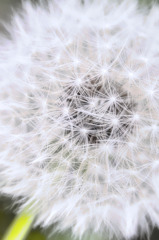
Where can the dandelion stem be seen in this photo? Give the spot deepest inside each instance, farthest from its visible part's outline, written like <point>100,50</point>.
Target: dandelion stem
<point>21,226</point>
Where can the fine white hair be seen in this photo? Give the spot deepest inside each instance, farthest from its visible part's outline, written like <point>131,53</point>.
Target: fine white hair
<point>79,115</point>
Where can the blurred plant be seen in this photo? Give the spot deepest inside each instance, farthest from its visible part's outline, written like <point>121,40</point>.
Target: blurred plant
<point>148,2</point>
<point>20,227</point>
<point>80,116</point>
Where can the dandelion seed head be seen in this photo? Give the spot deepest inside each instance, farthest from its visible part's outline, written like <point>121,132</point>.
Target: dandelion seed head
<point>79,115</point>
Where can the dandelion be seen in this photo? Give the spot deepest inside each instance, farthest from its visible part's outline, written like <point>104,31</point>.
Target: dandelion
<point>79,115</point>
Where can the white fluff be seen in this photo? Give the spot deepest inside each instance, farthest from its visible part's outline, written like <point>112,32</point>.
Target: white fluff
<point>79,115</point>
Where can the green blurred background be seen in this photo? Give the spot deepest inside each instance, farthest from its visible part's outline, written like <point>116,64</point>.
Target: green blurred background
<point>6,214</point>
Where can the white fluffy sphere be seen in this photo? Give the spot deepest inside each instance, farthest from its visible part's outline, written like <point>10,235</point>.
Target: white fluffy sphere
<point>79,115</point>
